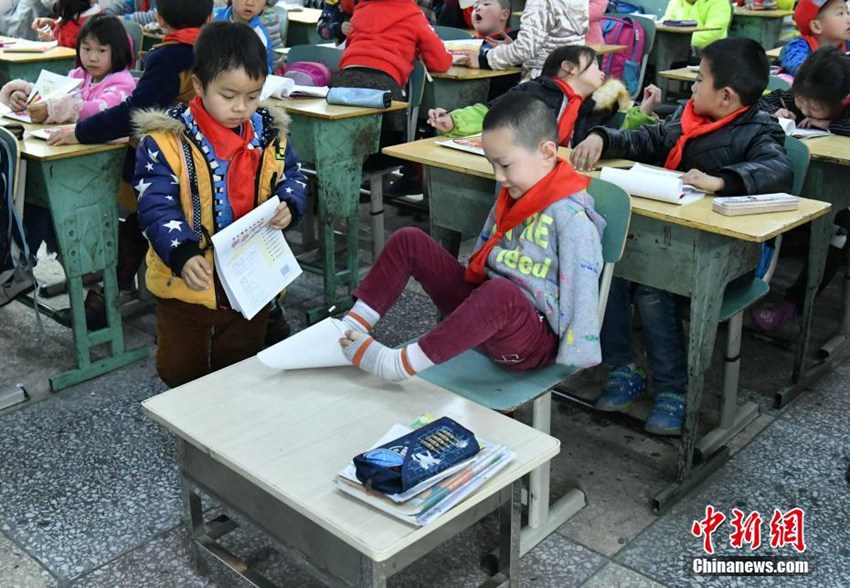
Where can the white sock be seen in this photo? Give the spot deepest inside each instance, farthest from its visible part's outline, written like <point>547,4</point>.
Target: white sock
<point>393,365</point>
<point>361,317</point>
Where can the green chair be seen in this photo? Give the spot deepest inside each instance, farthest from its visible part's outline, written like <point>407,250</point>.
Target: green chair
<point>777,83</point>
<point>737,298</point>
<point>452,34</point>
<point>134,30</point>
<point>330,56</point>
<point>477,378</point>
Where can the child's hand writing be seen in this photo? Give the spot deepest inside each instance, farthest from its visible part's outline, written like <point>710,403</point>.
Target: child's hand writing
<point>38,112</point>
<point>785,113</point>
<point>18,101</point>
<point>814,123</point>
<point>346,28</point>
<point>197,273</point>
<point>440,120</point>
<point>282,217</point>
<point>651,99</point>
<point>703,181</point>
<point>587,153</point>
<point>63,138</point>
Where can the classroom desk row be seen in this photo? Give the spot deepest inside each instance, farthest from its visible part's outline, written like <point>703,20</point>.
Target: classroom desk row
<point>27,66</point>
<point>703,252</point>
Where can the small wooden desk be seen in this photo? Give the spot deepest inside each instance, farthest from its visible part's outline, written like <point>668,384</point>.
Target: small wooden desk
<point>336,140</point>
<point>283,51</point>
<point>462,86</point>
<point>683,74</point>
<point>27,66</point>
<point>606,49</point>
<point>762,26</point>
<point>774,53</point>
<point>703,252</point>
<point>672,44</point>
<point>79,184</point>
<point>301,29</point>
<point>268,445</point>
<point>827,179</point>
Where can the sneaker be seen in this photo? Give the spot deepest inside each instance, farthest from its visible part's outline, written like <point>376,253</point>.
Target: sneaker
<point>406,185</point>
<point>668,412</point>
<point>771,318</point>
<point>624,386</point>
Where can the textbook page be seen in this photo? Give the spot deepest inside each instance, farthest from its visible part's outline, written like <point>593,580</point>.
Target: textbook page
<point>47,85</point>
<point>26,46</point>
<point>280,87</point>
<point>790,128</point>
<point>254,262</point>
<point>647,182</point>
<point>314,347</point>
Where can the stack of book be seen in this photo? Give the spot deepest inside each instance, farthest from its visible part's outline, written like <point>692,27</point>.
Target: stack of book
<point>434,496</point>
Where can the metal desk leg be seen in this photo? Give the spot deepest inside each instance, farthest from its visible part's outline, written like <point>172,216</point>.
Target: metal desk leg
<point>84,212</point>
<point>838,341</point>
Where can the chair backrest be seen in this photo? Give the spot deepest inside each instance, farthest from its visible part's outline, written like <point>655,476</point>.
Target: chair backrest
<point>330,56</point>
<point>615,206</point>
<point>415,90</point>
<point>777,83</point>
<point>798,153</point>
<point>134,29</point>
<point>451,33</point>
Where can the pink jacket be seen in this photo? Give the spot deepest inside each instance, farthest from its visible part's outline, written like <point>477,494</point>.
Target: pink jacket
<point>594,30</point>
<point>91,98</point>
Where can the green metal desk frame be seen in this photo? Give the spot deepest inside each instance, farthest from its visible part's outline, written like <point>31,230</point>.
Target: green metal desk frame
<point>764,31</point>
<point>301,33</point>
<point>10,70</point>
<point>80,193</point>
<point>828,181</point>
<point>698,265</point>
<point>337,148</point>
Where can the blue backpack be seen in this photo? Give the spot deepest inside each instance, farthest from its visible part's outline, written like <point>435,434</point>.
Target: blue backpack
<point>624,65</point>
<point>620,7</point>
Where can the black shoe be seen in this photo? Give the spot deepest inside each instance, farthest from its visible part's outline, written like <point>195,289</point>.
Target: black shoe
<point>406,185</point>
<point>277,329</point>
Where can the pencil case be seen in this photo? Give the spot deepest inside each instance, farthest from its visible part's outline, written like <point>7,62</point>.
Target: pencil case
<point>366,97</point>
<point>397,466</point>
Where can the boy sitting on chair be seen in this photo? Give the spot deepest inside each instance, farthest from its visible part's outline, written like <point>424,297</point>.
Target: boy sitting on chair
<point>529,295</point>
<point>725,145</point>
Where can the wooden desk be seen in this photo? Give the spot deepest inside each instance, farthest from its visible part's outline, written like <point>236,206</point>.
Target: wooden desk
<point>269,445</point>
<point>827,179</point>
<point>79,184</point>
<point>762,26</point>
<point>683,74</point>
<point>301,29</point>
<point>703,252</point>
<point>27,66</point>
<point>336,140</point>
<point>606,49</point>
<point>462,86</point>
<point>672,44</point>
<point>283,51</point>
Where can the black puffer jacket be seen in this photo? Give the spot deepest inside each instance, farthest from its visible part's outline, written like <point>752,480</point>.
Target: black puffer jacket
<point>748,153</point>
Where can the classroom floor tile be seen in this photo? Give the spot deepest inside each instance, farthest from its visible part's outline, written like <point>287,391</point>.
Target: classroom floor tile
<point>20,570</point>
<point>559,561</point>
<point>613,575</point>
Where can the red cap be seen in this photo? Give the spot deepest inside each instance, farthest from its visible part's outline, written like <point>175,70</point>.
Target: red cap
<point>806,12</point>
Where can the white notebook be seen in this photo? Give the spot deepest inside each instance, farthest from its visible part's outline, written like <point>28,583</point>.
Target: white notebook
<point>657,184</point>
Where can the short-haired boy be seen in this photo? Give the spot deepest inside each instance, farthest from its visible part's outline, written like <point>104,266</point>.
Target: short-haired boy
<point>725,145</point>
<point>248,12</point>
<point>490,21</point>
<point>199,168</point>
<point>821,23</point>
<point>529,295</point>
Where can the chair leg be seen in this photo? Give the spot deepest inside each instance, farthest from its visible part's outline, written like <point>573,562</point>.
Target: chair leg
<point>731,371</point>
<point>376,212</point>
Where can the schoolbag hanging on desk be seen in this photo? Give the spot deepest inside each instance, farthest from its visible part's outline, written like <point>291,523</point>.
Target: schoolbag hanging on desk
<point>309,73</point>
<point>624,65</point>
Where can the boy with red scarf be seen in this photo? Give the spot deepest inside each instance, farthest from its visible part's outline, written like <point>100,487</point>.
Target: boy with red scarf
<point>200,167</point>
<point>822,23</point>
<point>725,145</point>
<point>528,297</point>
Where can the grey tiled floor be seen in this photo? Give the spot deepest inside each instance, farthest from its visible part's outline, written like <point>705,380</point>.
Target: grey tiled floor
<point>89,495</point>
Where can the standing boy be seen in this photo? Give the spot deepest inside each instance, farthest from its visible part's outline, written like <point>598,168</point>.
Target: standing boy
<point>725,145</point>
<point>199,168</point>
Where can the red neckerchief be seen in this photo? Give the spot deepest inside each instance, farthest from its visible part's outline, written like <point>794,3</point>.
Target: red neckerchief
<point>185,36</point>
<point>570,114</point>
<point>694,126</point>
<point>562,182</point>
<point>506,30</point>
<point>234,148</point>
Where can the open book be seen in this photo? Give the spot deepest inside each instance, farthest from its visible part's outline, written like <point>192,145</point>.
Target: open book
<point>254,262</point>
<point>47,85</point>
<point>25,46</point>
<point>46,132</point>
<point>471,144</point>
<point>790,128</point>
<point>280,87</point>
<point>648,182</point>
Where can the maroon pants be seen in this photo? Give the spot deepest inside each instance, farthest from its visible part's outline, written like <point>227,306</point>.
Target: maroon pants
<point>494,316</point>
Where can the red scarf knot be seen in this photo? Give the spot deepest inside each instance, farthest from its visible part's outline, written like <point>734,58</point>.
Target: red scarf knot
<point>694,126</point>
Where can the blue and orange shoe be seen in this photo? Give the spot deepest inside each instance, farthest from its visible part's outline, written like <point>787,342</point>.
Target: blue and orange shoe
<point>668,412</point>
<point>624,386</point>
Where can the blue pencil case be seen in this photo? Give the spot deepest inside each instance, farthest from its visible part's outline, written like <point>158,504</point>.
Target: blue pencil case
<point>399,465</point>
<point>366,97</point>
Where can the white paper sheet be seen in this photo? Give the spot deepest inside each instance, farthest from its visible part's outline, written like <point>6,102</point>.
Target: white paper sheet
<point>280,87</point>
<point>648,182</point>
<point>314,347</point>
<point>253,261</point>
<point>790,128</point>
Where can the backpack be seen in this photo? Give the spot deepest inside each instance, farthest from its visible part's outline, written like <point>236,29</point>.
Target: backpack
<point>16,263</point>
<point>309,73</point>
<point>621,7</point>
<point>624,65</point>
